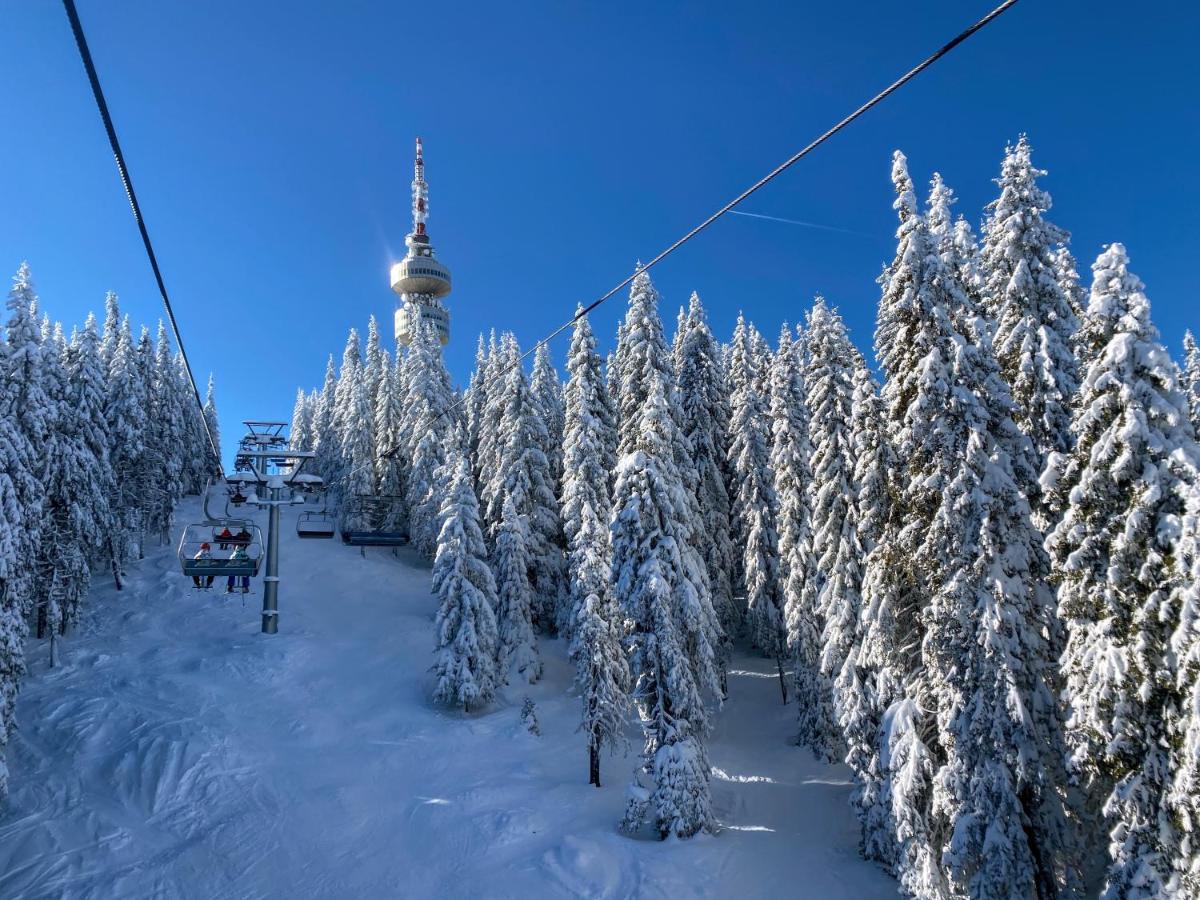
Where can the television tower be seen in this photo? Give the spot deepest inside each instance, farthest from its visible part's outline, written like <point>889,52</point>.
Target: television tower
<point>419,279</point>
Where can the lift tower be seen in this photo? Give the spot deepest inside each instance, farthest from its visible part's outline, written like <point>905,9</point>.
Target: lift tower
<point>420,280</point>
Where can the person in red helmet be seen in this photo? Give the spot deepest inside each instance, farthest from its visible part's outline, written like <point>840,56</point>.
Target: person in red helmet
<point>205,552</point>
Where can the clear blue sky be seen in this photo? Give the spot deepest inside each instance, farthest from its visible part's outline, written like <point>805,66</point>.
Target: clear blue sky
<point>271,147</point>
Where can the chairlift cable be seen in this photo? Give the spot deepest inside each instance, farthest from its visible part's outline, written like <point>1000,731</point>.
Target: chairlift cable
<point>127,182</point>
<point>761,183</point>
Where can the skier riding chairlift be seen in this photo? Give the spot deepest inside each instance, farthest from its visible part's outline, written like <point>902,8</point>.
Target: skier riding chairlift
<point>239,553</point>
<point>205,552</point>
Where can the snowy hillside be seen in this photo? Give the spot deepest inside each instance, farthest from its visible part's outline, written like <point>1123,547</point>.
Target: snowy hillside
<point>180,753</point>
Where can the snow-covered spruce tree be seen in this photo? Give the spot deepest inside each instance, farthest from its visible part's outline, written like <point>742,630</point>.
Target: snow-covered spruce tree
<point>704,421</point>
<point>523,474</point>
<point>86,397</point>
<point>465,654</point>
<point>72,493</point>
<point>996,819</point>
<point>547,394</point>
<point>388,467</point>
<point>343,420</point>
<point>88,483</point>
<point>650,581</point>
<point>854,687</point>
<point>601,671</point>
<point>830,596</point>
<point>645,362</point>
<point>1034,322</point>
<point>126,415</point>
<point>300,433</point>
<point>31,411</point>
<point>112,327</point>
<point>588,426</point>
<point>1191,378</point>
<point>423,425</point>
<point>760,350</point>
<point>358,452</point>
<point>518,653</point>
<point>1121,491</point>
<point>148,464</point>
<point>1066,271</point>
<point>475,398</point>
<point>374,367</point>
<point>1184,765</point>
<point>13,623</point>
<point>911,341</point>
<point>324,443</point>
<point>166,437</point>
<point>212,434</point>
<point>52,454</point>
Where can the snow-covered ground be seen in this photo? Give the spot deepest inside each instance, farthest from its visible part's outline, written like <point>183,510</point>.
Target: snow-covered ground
<point>179,753</point>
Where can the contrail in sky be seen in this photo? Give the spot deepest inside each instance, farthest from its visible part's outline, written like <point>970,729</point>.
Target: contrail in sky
<point>738,212</point>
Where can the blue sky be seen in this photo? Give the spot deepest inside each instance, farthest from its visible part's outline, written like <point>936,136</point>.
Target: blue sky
<point>271,147</point>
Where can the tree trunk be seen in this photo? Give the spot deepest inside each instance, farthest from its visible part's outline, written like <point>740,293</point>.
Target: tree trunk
<point>116,570</point>
<point>782,681</point>
<point>41,621</point>
<point>594,761</point>
<point>53,649</point>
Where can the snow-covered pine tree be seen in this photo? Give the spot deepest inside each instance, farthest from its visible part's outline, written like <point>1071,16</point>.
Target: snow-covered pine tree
<point>1191,378</point>
<point>547,394</point>
<point>649,580</point>
<point>830,597</point>
<point>427,402</point>
<point>704,421</point>
<point>518,653</point>
<point>126,415</point>
<point>29,408</point>
<point>645,362</point>
<point>324,442</point>
<point>523,474</point>
<point>112,328</point>
<point>166,435</point>
<point>501,357</point>
<point>344,422</point>
<point>300,433</point>
<point>358,453</point>
<point>475,398</point>
<point>1066,271</point>
<point>1122,491</point>
<point>754,501</point>
<point>997,821</point>
<point>212,434</point>
<point>374,367</point>
<point>601,671</point>
<point>911,341</point>
<point>13,623</point>
<point>89,481</point>
<point>760,350</point>
<point>53,455</point>
<point>86,391</point>
<point>1023,296</point>
<point>465,654</point>
<point>1184,766</point>
<point>854,688</point>
<point>388,413</point>
<point>589,423</point>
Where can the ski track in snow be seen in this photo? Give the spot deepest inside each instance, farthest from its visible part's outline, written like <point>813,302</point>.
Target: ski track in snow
<point>179,753</point>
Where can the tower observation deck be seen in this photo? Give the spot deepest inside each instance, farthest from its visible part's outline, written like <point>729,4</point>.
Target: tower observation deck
<point>419,279</point>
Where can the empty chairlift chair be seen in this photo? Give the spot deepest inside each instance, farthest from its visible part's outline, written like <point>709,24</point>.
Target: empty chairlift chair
<point>315,525</point>
<point>364,522</point>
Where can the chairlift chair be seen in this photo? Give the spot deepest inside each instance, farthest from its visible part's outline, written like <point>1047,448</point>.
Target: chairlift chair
<point>315,525</point>
<point>360,510</point>
<point>200,533</point>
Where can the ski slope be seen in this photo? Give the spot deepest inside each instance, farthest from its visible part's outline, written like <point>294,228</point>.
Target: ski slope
<point>179,753</point>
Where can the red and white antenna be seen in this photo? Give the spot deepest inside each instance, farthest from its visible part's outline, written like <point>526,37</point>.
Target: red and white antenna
<point>420,191</point>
